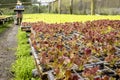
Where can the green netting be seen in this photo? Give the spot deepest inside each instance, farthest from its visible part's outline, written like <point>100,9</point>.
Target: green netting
<point>83,6</point>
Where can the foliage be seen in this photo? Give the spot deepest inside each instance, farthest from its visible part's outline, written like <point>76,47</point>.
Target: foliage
<point>61,18</point>
<point>23,67</point>
<point>29,9</point>
<point>24,64</point>
<point>12,1</point>
<point>21,38</point>
<point>22,50</point>
<point>4,27</point>
<point>7,11</point>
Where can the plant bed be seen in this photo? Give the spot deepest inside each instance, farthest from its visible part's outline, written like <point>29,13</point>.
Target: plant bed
<point>86,49</point>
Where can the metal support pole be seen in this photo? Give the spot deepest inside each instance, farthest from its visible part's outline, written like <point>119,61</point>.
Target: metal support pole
<point>71,6</point>
<point>39,7</point>
<point>92,7</point>
<point>59,6</point>
<point>49,7</point>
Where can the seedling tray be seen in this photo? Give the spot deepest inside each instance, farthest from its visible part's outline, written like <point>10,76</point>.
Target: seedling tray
<point>25,28</point>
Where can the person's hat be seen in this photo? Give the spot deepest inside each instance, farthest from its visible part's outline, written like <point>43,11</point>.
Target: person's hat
<point>19,3</point>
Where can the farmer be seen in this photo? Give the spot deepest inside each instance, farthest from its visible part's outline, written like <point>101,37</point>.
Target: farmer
<point>19,15</point>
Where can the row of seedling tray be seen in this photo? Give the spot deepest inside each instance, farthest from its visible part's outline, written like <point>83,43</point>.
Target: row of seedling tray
<point>41,70</point>
<point>26,26</point>
<point>5,19</point>
<point>77,51</point>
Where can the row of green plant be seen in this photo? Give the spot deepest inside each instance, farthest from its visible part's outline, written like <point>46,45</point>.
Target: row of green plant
<point>22,68</point>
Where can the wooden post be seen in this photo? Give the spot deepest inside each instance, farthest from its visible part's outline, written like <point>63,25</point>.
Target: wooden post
<point>59,6</point>
<point>71,6</point>
<point>92,7</point>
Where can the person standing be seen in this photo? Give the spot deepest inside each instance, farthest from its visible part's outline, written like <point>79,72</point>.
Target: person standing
<point>19,12</point>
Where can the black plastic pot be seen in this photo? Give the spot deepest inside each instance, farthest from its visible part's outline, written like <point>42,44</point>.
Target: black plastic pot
<point>79,71</point>
<point>27,42</point>
<point>117,77</point>
<point>37,52</point>
<point>108,73</point>
<point>117,64</point>
<point>118,47</point>
<point>44,77</point>
<point>112,67</point>
<point>30,52</point>
<point>101,66</point>
<point>101,58</point>
<point>44,69</point>
<point>28,31</point>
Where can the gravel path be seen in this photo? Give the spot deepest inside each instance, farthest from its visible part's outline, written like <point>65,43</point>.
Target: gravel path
<point>8,44</point>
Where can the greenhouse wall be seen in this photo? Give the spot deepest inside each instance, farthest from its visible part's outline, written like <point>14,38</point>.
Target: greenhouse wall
<point>83,6</point>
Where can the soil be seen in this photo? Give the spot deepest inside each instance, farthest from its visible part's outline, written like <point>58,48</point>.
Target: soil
<point>8,44</point>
